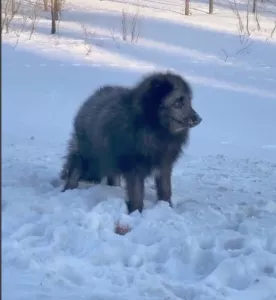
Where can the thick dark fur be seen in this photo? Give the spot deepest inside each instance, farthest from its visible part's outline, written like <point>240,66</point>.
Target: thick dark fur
<point>131,132</point>
<point>86,173</point>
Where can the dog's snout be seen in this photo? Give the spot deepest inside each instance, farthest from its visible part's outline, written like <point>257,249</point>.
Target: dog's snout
<point>194,120</point>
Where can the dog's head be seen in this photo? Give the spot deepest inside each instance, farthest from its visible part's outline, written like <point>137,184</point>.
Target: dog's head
<point>167,102</point>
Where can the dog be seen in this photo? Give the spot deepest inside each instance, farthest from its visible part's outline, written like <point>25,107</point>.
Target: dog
<point>132,132</point>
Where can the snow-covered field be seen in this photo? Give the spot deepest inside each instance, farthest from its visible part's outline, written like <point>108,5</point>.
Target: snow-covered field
<point>219,240</point>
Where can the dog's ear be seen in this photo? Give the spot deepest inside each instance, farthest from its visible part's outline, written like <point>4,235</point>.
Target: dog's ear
<point>150,93</point>
<point>160,87</point>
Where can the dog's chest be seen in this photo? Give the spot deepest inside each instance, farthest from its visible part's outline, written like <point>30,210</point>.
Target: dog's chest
<point>165,152</point>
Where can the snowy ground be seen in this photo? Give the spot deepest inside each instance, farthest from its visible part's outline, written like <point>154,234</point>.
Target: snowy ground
<point>219,241</point>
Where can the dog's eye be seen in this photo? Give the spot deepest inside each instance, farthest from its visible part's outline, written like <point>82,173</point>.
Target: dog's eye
<point>178,103</point>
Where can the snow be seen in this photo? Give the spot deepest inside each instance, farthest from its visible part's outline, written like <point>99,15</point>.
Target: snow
<point>219,240</point>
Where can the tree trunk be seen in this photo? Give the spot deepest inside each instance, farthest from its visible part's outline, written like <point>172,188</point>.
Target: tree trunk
<point>13,9</point>
<point>211,6</point>
<point>56,8</point>
<point>53,15</point>
<point>45,3</point>
<point>254,6</point>
<point>187,7</point>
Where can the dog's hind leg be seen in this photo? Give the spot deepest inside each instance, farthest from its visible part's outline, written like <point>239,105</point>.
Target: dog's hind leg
<point>74,171</point>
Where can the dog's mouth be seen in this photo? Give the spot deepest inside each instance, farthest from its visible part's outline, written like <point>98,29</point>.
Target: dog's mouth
<point>182,124</point>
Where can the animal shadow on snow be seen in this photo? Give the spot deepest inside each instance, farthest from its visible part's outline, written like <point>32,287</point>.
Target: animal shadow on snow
<point>181,51</point>
<point>159,47</point>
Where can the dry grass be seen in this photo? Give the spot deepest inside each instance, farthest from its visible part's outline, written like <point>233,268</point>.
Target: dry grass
<point>130,26</point>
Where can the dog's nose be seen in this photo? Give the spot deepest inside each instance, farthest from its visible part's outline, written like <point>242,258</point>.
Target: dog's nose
<point>195,120</point>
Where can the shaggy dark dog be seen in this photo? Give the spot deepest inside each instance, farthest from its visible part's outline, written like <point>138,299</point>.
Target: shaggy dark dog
<point>133,133</point>
<point>86,173</point>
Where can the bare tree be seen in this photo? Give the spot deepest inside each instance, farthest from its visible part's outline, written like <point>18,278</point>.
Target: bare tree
<point>54,15</point>
<point>9,9</point>
<point>13,9</point>
<point>53,29</point>
<point>130,24</point>
<point>187,7</point>
<point>247,17</point>
<point>211,6</point>
<point>254,6</point>
<point>45,4</point>
<point>257,19</point>
<point>273,30</point>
